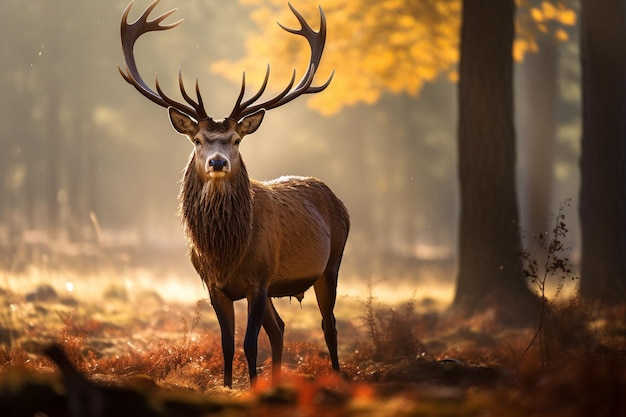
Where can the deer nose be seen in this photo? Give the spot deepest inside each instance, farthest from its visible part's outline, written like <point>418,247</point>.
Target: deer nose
<point>218,164</point>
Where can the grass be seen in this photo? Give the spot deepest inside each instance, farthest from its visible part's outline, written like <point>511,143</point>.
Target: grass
<point>405,358</point>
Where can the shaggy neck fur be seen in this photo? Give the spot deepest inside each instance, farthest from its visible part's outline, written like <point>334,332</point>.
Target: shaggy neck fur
<point>217,215</point>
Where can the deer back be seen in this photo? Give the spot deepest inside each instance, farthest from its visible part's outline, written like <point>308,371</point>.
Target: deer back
<point>299,225</point>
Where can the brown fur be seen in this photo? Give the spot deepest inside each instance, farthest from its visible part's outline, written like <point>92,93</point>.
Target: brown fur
<point>218,218</point>
<point>249,239</point>
<point>257,240</point>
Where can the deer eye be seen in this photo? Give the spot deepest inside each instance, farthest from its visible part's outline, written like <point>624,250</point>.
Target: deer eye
<point>197,141</point>
<point>237,141</point>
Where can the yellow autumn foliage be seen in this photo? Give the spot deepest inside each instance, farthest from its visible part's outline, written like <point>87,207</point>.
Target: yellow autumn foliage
<point>547,17</point>
<point>373,46</point>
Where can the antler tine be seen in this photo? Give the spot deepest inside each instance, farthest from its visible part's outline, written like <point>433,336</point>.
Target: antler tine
<point>285,90</point>
<point>259,93</point>
<point>316,42</point>
<point>311,36</point>
<point>313,90</point>
<point>200,102</point>
<point>198,106</point>
<point>238,104</point>
<point>171,102</point>
<point>130,32</point>
<point>245,108</point>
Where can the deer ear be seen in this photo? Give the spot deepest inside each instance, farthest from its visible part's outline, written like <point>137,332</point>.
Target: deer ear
<point>182,123</point>
<point>251,123</point>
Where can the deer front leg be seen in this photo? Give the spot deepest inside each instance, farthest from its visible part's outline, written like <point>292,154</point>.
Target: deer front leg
<point>225,311</point>
<point>257,302</point>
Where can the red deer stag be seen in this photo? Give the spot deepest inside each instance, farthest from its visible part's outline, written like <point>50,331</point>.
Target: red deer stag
<point>249,239</point>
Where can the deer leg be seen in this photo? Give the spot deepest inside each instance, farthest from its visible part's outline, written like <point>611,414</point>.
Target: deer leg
<point>275,328</point>
<point>224,309</point>
<point>257,302</point>
<point>326,293</point>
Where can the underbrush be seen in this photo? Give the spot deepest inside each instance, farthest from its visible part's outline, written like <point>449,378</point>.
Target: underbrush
<point>564,329</point>
<point>389,331</point>
<point>406,359</point>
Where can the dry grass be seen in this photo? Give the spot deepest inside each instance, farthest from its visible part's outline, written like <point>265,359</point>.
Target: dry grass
<point>128,339</point>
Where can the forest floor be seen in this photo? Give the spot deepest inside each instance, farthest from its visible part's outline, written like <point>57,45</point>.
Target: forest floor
<point>137,347</point>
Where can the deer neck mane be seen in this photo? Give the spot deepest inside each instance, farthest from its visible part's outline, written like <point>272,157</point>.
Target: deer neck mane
<point>217,216</point>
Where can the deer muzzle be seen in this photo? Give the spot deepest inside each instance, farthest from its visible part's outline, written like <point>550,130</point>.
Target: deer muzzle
<point>217,166</point>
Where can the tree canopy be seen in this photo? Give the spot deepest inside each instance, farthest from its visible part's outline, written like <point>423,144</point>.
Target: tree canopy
<point>376,46</point>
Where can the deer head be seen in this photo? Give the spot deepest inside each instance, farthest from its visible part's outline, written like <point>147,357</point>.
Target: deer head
<point>217,141</point>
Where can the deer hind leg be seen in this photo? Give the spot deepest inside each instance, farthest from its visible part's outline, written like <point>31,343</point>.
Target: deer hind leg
<point>326,293</point>
<point>275,329</point>
<point>225,312</point>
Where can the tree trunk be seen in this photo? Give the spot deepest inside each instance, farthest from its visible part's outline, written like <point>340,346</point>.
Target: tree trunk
<point>490,270</point>
<point>603,161</point>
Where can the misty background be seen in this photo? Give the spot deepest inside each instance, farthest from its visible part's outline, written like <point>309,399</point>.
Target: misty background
<point>85,159</point>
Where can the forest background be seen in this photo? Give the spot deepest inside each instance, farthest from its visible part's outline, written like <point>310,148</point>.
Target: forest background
<point>85,159</point>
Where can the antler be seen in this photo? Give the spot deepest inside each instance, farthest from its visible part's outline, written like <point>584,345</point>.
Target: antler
<point>195,108</point>
<point>316,42</point>
<point>130,33</point>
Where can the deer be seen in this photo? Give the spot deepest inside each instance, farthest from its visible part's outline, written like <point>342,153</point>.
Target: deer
<point>249,239</point>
